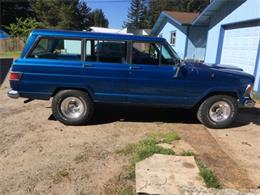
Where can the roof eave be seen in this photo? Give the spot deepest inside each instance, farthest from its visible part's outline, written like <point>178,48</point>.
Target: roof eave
<point>209,11</point>
<point>159,22</point>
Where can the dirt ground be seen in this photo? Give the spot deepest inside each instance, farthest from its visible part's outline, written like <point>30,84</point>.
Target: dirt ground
<point>39,155</point>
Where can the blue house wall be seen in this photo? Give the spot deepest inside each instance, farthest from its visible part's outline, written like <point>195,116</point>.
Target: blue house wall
<point>181,38</point>
<point>226,32</point>
<point>257,72</point>
<point>197,40</point>
<point>247,11</point>
<point>190,40</point>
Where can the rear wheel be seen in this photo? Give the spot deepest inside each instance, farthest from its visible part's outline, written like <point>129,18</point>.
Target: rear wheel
<point>72,107</point>
<point>218,111</point>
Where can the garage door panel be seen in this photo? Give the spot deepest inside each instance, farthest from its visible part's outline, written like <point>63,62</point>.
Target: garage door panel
<point>240,47</point>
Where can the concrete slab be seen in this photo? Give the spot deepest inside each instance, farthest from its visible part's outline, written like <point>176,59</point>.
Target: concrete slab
<point>166,174</point>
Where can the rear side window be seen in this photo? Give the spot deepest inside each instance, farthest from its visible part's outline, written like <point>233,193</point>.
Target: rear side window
<point>106,51</point>
<point>59,49</point>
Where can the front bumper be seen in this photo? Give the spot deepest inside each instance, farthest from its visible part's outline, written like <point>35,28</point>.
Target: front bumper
<point>13,94</point>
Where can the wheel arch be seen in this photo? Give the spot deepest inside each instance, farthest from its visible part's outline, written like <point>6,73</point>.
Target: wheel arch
<point>88,91</point>
<point>214,93</point>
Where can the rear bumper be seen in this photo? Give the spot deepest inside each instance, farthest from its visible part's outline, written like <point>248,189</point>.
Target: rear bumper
<point>13,94</point>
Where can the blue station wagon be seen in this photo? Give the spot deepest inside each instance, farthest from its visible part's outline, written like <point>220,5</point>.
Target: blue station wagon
<point>79,69</point>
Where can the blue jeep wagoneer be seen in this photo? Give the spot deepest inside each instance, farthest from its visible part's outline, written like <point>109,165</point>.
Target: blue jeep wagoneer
<point>79,69</point>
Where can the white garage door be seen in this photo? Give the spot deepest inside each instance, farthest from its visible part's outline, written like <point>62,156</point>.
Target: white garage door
<point>240,47</point>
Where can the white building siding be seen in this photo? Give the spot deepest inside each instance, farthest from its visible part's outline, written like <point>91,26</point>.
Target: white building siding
<point>240,47</point>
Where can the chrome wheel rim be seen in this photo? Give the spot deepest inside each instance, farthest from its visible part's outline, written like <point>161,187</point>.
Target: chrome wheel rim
<point>72,107</point>
<point>220,111</point>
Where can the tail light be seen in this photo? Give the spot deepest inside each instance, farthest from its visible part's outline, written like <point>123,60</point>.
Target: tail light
<point>15,76</point>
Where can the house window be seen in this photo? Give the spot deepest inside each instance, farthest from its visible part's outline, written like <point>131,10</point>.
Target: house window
<point>173,38</point>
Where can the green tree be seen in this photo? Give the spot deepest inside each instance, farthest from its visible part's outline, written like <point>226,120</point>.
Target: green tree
<point>84,13</point>
<point>192,5</point>
<point>10,10</point>
<point>22,27</point>
<point>145,19</point>
<point>69,17</point>
<point>67,14</point>
<point>97,18</point>
<point>137,13</point>
<point>155,9</point>
<point>57,13</point>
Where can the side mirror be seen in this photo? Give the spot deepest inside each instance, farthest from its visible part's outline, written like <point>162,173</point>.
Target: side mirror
<point>178,67</point>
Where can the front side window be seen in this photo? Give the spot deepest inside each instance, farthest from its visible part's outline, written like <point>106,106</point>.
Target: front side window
<point>167,56</point>
<point>106,51</point>
<point>145,53</point>
<point>58,49</point>
<point>152,54</point>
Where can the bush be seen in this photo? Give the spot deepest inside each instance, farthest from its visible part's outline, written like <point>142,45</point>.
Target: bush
<point>22,28</point>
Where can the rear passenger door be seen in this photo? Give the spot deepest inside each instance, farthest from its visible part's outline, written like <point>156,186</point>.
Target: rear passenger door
<point>106,69</point>
<point>152,75</point>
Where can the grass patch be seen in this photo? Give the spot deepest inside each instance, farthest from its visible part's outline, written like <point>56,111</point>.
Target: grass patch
<point>146,148</point>
<point>80,158</point>
<point>208,176</point>
<point>59,175</point>
<point>256,96</point>
<point>10,54</point>
<point>187,153</point>
<point>165,138</point>
<point>126,190</point>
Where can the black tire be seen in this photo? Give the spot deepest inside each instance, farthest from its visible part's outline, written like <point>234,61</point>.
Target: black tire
<point>203,113</point>
<point>87,108</point>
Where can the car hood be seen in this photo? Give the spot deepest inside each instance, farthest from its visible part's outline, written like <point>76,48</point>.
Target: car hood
<point>214,66</point>
<point>220,68</point>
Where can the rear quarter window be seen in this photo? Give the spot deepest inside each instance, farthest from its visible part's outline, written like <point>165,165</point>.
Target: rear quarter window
<point>57,49</point>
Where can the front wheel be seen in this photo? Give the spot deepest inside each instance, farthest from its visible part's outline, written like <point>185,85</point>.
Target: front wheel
<point>72,107</point>
<point>218,111</point>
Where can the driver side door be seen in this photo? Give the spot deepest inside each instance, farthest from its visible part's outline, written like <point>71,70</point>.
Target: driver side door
<point>152,76</point>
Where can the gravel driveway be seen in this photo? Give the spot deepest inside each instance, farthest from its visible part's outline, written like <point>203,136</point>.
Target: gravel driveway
<point>39,155</point>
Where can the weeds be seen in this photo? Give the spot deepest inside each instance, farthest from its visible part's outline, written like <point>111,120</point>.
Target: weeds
<point>187,153</point>
<point>126,190</point>
<point>147,148</point>
<point>208,176</point>
<point>256,96</point>
<point>59,175</point>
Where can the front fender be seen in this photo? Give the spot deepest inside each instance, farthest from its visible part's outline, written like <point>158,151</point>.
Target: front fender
<point>220,90</point>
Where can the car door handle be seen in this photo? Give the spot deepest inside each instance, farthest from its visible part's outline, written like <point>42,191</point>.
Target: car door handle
<point>134,67</point>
